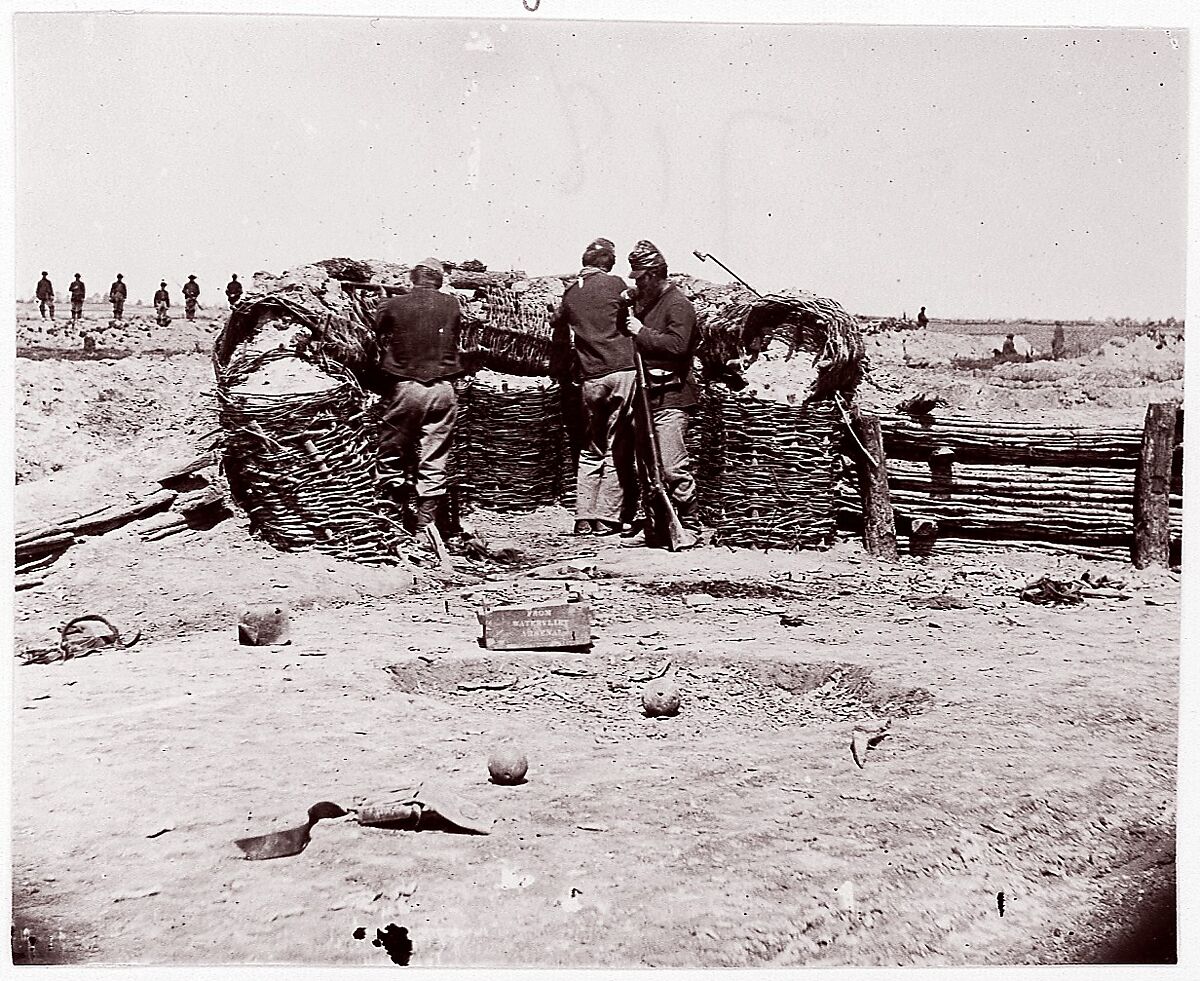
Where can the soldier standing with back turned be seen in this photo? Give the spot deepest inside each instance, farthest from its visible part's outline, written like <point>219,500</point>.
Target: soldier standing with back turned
<point>233,292</point>
<point>417,334</point>
<point>595,315</point>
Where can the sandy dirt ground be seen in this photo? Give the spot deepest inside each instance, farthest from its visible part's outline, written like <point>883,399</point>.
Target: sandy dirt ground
<point>1021,809</point>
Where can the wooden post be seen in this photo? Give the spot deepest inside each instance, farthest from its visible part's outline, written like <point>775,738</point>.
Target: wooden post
<point>1151,488</point>
<point>941,473</point>
<point>1177,457</point>
<point>879,523</point>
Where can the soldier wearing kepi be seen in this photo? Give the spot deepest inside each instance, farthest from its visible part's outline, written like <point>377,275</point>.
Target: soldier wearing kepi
<point>78,292</point>
<point>116,296</point>
<point>45,295</point>
<point>665,335</point>
<point>417,334</point>
<point>162,303</point>
<point>191,290</point>
<point>233,292</point>
<point>594,312</point>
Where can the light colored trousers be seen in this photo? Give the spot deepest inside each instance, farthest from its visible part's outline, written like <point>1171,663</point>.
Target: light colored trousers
<point>419,422</point>
<point>607,452</point>
<point>671,427</point>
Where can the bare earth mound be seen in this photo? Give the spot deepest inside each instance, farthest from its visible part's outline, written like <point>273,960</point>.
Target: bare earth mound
<point>1020,808</point>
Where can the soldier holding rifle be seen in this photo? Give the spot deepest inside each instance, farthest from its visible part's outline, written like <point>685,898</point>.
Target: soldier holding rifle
<point>665,339</point>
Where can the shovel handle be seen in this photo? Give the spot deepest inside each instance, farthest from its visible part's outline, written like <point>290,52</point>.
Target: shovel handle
<point>385,812</point>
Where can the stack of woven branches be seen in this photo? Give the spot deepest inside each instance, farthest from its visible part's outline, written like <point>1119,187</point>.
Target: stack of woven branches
<point>513,335</point>
<point>767,472</point>
<point>300,461</point>
<point>767,456</point>
<point>510,444</point>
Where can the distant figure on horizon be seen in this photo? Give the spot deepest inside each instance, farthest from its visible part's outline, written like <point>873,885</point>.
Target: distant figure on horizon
<point>191,290</point>
<point>162,303</point>
<point>116,296</point>
<point>1016,348</point>
<point>1059,343</point>
<point>922,320</point>
<point>78,291</point>
<point>233,291</point>
<point>45,295</point>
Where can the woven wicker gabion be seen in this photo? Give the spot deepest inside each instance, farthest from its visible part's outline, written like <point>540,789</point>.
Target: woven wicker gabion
<point>766,471</point>
<point>504,329</point>
<point>509,446</point>
<point>513,335</point>
<point>301,463</point>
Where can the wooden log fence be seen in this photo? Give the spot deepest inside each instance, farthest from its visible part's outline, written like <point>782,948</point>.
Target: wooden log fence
<point>1099,493</point>
<point>159,511</point>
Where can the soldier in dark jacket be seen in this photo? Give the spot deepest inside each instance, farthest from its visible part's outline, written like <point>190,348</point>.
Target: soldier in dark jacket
<point>162,303</point>
<point>595,315</point>
<point>191,290</point>
<point>665,335</point>
<point>45,295</point>
<point>417,335</point>
<point>78,292</point>
<point>116,296</point>
<point>233,292</point>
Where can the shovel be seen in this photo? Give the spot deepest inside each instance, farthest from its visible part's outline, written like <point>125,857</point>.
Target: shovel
<point>402,808</point>
<point>280,844</point>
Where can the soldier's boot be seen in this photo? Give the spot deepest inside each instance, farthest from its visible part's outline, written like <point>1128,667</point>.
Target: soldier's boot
<point>427,512</point>
<point>689,517</point>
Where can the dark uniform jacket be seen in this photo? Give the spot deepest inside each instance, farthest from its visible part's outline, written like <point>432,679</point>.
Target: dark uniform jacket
<point>45,289</point>
<point>77,289</point>
<point>418,335</point>
<point>666,342</point>
<point>117,291</point>
<point>234,289</point>
<point>595,309</point>
<point>191,289</point>
<point>162,296</point>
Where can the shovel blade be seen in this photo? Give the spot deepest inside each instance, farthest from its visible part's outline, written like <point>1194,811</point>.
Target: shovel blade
<point>278,844</point>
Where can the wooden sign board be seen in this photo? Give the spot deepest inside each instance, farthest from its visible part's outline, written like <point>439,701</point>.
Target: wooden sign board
<point>543,625</point>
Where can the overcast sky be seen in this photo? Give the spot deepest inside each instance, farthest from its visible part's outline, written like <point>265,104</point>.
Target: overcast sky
<point>978,171</point>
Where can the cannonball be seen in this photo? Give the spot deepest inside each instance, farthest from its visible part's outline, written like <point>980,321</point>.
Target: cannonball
<point>660,697</point>
<point>507,765</point>
<point>264,626</point>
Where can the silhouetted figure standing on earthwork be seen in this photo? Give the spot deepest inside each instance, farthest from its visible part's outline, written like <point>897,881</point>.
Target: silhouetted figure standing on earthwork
<point>162,303</point>
<point>595,315</point>
<point>233,292</point>
<point>417,336</point>
<point>45,295</point>
<point>191,291</point>
<point>78,291</point>
<point>666,338</point>
<point>922,320</point>
<point>1009,348</point>
<point>116,296</point>
<point>1059,342</point>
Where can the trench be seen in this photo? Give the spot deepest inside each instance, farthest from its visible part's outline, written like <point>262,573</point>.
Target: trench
<point>603,693</point>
